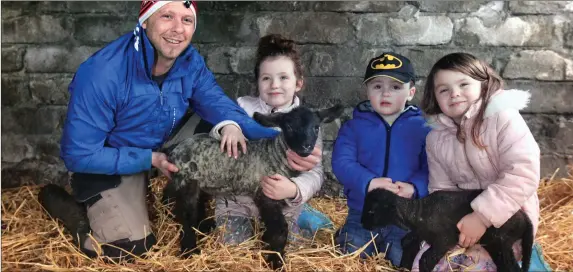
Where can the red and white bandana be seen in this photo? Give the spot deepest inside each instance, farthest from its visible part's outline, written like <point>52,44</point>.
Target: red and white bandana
<point>149,7</point>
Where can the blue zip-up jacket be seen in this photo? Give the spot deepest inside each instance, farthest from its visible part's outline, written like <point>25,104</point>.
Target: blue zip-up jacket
<point>117,114</point>
<point>368,147</point>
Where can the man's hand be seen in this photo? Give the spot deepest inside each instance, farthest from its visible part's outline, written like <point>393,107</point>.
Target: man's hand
<point>159,161</point>
<point>278,187</point>
<point>383,183</point>
<point>405,190</point>
<point>471,229</point>
<point>299,163</point>
<point>230,136</point>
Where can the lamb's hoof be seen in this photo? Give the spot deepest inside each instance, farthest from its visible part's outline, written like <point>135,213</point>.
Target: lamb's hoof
<point>274,261</point>
<point>207,225</point>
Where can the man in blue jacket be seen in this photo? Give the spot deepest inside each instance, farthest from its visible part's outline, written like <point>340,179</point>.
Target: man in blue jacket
<point>125,102</point>
<point>382,146</point>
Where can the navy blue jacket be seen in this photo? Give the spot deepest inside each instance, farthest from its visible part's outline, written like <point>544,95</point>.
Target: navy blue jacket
<point>368,147</point>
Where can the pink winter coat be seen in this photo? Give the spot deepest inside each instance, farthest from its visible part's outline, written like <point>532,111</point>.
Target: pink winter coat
<point>509,168</point>
<point>308,183</point>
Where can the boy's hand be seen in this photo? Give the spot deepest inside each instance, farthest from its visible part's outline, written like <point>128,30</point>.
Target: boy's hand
<point>406,190</point>
<point>278,187</point>
<point>302,164</point>
<point>471,229</point>
<point>230,136</point>
<point>383,183</point>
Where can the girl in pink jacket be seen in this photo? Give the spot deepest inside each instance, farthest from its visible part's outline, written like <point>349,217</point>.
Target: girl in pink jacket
<point>278,72</point>
<point>479,140</point>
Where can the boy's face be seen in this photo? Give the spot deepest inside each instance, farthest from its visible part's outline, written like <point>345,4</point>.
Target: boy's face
<point>388,96</point>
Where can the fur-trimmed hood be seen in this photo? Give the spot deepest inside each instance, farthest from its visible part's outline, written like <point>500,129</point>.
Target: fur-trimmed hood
<point>501,100</point>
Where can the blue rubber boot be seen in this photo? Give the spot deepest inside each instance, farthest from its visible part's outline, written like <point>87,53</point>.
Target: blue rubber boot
<point>312,220</point>
<point>537,261</point>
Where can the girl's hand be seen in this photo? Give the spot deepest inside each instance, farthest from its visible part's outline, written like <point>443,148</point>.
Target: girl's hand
<point>230,136</point>
<point>471,229</point>
<point>383,183</point>
<point>278,187</point>
<point>405,190</point>
<point>299,163</point>
<point>159,161</point>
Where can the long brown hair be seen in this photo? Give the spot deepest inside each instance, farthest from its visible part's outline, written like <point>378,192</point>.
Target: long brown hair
<point>473,67</point>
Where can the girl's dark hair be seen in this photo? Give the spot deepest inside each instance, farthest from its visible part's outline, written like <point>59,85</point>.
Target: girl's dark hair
<point>275,45</point>
<point>473,67</point>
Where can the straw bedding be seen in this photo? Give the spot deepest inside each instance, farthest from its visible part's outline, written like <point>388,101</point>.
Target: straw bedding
<point>31,241</point>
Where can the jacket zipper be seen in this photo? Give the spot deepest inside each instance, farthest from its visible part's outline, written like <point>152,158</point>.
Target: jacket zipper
<point>173,123</point>
<point>388,138</point>
<point>161,102</point>
<point>387,155</point>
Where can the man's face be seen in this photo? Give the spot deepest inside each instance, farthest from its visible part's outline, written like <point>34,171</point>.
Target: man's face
<point>170,30</point>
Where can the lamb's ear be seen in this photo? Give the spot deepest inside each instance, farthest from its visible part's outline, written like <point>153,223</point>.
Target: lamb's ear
<point>330,114</point>
<point>271,120</point>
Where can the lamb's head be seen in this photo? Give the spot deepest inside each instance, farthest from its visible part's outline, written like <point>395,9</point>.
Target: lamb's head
<point>300,126</point>
<point>379,209</point>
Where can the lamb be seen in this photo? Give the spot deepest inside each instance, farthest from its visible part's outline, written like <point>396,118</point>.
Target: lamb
<point>433,219</point>
<point>204,169</point>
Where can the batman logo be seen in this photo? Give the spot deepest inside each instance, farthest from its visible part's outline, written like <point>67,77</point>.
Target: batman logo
<point>386,63</point>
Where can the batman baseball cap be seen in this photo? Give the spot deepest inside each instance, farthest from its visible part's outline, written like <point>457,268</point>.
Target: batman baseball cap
<point>392,65</point>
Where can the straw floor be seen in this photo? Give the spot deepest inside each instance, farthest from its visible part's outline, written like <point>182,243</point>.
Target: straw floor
<point>31,241</point>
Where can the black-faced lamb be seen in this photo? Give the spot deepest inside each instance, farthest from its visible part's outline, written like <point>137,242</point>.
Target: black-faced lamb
<point>434,218</point>
<point>203,168</point>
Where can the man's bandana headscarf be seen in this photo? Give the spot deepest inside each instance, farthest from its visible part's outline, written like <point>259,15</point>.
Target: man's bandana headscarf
<point>149,7</point>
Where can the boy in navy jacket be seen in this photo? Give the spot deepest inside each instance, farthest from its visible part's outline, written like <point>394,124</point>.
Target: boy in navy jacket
<point>382,146</point>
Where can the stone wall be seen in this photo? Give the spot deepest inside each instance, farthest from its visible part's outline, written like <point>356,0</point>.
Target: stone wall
<point>529,43</point>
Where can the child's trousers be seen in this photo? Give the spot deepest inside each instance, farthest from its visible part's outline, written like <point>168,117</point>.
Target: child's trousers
<point>352,236</point>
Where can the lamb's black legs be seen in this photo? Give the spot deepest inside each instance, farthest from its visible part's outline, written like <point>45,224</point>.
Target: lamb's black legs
<point>502,256</point>
<point>432,256</point>
<point>187,214</point>
<point>410,248</point>
<point>62,206</point>
<point>276,232</point>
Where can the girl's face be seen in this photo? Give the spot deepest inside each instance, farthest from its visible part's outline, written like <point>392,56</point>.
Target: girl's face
<point>277,82</point>
<point>455,92</point>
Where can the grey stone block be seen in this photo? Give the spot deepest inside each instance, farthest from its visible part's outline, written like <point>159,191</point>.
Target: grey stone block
<point>54,59</point>
<point>12,58</point>
<point>36,29</point>
<point>33,120</point>
<point>540,65</point>
<point>102,29</point>
<point>540,7</point>
<point>50,89</point>
<point>546,97</point>
<point>553,133</point>
<point>358,6</point>
<point>307,27</point>
<point>513,31</point>
<point>422,30</point>
<point>15,91</point>
<point>450,6</point>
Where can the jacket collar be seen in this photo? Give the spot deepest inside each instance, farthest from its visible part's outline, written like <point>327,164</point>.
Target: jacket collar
<point>144,55</point>
<point>364,110</point>
<point>500,100</point>
<point>269,109</point>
